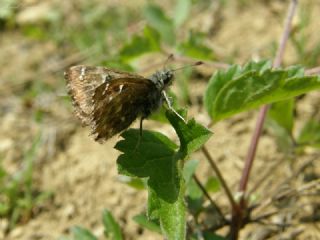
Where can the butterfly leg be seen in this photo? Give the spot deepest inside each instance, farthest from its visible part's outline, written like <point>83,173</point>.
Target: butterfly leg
<point>141,121</point>
<point>166,98</point>
<point>140,134</point>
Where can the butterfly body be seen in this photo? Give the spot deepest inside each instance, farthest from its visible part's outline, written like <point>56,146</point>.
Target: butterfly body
<point>109,100</point>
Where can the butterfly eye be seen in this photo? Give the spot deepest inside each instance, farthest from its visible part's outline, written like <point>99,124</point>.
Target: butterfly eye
<point>168,77</point>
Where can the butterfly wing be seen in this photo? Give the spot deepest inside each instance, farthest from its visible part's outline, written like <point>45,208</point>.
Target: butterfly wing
<point>82,82</point>
<point>117,104</point>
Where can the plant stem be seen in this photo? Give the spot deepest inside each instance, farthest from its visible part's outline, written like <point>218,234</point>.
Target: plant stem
<point>252,149</point>
<point>264,109</point>
<point>285,35</point>
<point>238,213</point>
<point>217,209</point>
<point>219,176</point>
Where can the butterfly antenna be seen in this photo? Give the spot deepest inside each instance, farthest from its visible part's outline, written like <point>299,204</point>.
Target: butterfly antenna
<point>187,66</point>
<point>170,58</point>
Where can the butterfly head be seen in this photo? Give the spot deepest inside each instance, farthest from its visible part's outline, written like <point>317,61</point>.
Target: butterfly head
<point>162,79</point>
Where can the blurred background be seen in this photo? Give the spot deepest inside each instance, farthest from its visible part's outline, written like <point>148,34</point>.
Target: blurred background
<point>52,175</point>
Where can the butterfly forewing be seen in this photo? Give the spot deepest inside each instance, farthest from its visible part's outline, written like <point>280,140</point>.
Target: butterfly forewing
<point>117,104</point>
<point>82,82</point>
<point>107,100</point>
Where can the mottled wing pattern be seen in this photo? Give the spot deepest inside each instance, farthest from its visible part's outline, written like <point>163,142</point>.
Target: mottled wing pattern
<point>82,81</point>
<point>117,104</point>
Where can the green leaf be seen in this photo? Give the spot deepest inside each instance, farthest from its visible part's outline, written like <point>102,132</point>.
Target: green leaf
<point>117,63</point>
<point>4,209</point>
<point>158,20</point>
<point>173,217</point>
<point>142,220</point>
<point>138,45</point>
<point>8,8</point>
<point>133,182</point>
<point>194,197</point>
<point>191,134</point>
<point>282,113</point>
<point>17,193</point>
<point>182,10</point>
<point>3,174</point>
<point>284,140</point>
<point>260,66</point>
<point>80,233</point>
<point>242,89</point>
<point>194,192</point>
<point>195,47</point>
<point>295,71</point>
<point>212,236</point>
<point>280,120</point>
<point>135,48</point>
<point>35,32</point>
<point>212,185</point>
<point>153,158</point>
<point>153,205</point>
<point>183,85</point>
<point>216,83</point>
<point>189,169</point>
<point>310,134</point>
<point>153,37</point>
<point>222,78</point>
<point>111,227</point>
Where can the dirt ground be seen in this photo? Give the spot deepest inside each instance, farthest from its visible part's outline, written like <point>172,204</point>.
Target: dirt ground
<point>82,174</point>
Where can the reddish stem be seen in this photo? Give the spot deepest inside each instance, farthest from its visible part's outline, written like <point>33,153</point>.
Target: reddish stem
<point>264,109</point>
<point>239,212</point>
<point>253,148</point>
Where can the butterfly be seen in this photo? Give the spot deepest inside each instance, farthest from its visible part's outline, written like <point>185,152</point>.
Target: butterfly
<point>109,100</point>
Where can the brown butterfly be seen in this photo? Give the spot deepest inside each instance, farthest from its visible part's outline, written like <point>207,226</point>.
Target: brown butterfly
<point>109,100</point>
